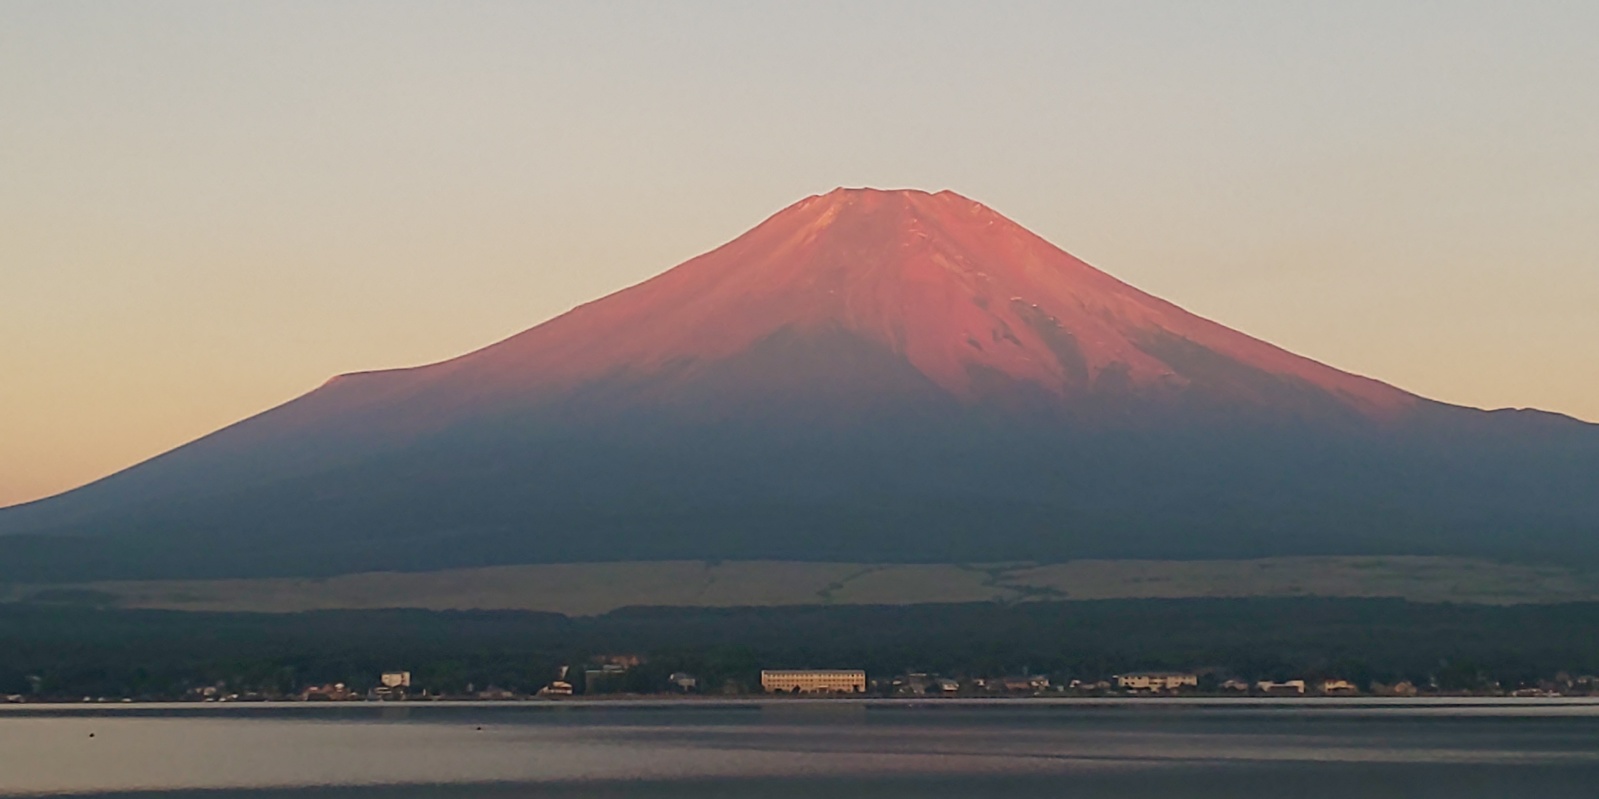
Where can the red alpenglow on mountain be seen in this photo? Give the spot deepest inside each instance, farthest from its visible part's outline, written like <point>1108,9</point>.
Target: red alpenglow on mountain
<point>984,310</point>
<point>868,376</point>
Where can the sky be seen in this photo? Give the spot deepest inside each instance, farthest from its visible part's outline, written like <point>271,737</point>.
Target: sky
<point>209,208</point>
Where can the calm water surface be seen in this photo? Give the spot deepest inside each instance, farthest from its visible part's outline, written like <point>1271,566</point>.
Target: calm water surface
<point>792,749</point>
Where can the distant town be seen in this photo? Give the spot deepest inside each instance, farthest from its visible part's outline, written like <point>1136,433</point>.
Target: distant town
<point>1115,649</point>
<point>615,676</point>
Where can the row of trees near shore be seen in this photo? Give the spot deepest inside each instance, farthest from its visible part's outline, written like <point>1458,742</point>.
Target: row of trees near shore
<point>65,651</point>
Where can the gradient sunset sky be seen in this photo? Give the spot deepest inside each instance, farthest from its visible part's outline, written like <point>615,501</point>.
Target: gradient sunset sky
<point>208,208</point>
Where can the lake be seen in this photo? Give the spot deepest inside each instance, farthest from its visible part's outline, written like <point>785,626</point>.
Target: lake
<point>833,749</point>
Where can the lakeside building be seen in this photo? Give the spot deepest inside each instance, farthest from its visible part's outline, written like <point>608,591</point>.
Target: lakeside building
<point>392,685</point>
<point>1024,684</point>
<point>330,692</point>
<point>1289,687</point>
<point>922,684</point>
<point>813,681</point>
<point>1156,681</point>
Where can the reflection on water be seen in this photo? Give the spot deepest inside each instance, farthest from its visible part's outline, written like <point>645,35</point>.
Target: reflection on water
<point>788,749</point>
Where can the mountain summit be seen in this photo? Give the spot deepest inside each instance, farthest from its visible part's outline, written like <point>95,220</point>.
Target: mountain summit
<point>866,375</point>
<point>968,299</point>
<point>863,297</point>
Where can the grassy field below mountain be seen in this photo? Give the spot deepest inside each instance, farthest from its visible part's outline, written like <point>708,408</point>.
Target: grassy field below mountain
<point>596,588</point>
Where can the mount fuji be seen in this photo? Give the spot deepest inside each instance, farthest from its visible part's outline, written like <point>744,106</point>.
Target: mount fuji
<point>883,376</point>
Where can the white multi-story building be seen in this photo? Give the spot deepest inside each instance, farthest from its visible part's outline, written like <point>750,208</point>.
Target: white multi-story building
<point>814,681</point>
<point>1156,681</point>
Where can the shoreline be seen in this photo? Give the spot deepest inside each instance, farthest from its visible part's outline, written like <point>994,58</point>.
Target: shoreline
<point>1319,702</point>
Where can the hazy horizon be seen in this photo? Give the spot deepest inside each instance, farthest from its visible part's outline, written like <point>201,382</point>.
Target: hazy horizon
<point>212,208</point>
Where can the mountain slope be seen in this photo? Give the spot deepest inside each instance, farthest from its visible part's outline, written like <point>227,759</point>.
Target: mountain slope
<point>866,374</point>
<point>970,300</point>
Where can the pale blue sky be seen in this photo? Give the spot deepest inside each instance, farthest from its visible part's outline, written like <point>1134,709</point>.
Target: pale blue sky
<point>207,208</point>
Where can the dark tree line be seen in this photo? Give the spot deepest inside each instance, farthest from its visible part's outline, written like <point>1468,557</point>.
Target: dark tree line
<point>72,651</point>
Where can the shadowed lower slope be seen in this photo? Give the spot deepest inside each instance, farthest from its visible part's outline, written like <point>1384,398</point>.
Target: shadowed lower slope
<point>870,376</point>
